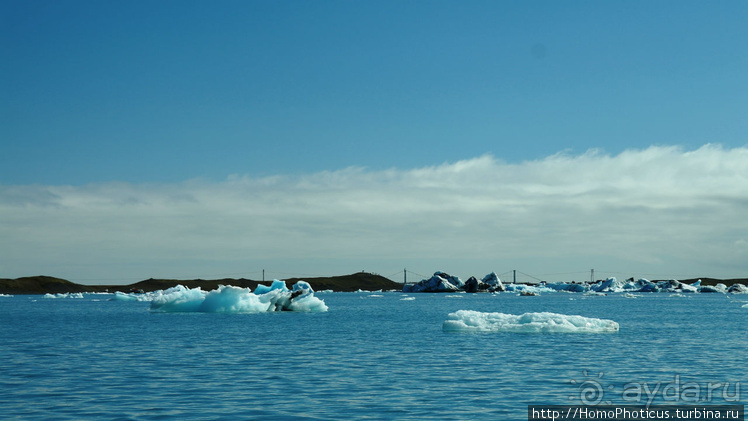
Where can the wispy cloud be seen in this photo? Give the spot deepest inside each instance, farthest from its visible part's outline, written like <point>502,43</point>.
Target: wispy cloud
<point>661,209</point>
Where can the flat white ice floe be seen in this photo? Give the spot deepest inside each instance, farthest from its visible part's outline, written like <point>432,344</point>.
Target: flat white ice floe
<point>121,296</point>
<point>64,295</point>
<point>230,299</point>
<point>476,321</point>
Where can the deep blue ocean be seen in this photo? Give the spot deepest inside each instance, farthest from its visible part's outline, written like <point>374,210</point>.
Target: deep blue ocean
<point>370,356</point>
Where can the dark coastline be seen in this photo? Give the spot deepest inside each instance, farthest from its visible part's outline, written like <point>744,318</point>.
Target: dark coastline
<point>52,285</point>
<point>345,283</point>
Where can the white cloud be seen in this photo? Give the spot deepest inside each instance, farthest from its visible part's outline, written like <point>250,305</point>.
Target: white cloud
<point>661,209</point>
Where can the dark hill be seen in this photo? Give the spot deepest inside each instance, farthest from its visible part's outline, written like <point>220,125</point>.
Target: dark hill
<point>344,283</point>
<point>48,284</point>
<point>42,285</point>
<point>350,283</point>
<point>156,284</point>
<point>713,281</point>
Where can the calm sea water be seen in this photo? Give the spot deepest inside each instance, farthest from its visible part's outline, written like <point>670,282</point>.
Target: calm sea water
<point>371,356</point>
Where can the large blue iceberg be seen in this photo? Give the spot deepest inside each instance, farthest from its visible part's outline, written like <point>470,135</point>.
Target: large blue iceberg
<point>231,299</point>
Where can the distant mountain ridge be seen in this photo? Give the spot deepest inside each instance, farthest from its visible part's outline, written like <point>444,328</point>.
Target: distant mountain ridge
<point>48,284</point>
<point>42,285</point>
<point>345,283</point>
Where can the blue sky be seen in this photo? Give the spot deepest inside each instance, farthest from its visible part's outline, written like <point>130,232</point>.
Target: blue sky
<point>125,99</point>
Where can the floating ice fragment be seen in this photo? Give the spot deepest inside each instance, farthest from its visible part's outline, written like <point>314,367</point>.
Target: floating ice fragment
<point>65,295</point>
<point>535,289</point>
<point>121,296</point>
<point>476,321</point>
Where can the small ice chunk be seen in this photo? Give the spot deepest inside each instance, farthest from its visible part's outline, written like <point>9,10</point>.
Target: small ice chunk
<point>64,295</point>
<point>121,296</point>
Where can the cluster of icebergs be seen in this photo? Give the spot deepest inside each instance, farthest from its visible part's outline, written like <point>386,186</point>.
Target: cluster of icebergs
<point>231,299</point>
<point>442,282</point>
<point>644,285</point>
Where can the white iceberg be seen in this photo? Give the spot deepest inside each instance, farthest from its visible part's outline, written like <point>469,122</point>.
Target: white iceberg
<point>688,288</point>
<point>493,282</point>
<point>121,296</point>
<point>231,299</point>
<point>476,321</point>
<point>738,289</point>
<point>643,285</point>
<point>489,283</point>
<point>719,288</point>
<point>534,289</point>
<point>609,285</point>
